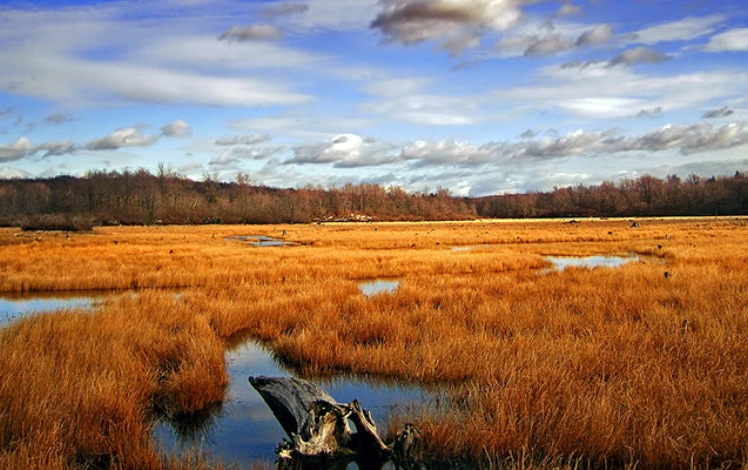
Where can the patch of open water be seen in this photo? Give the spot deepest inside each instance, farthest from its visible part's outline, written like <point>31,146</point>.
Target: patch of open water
<point>15,306</point>
<point>599,261</point>
<point>261,240</point>
<point>379,286</point>
<point>244,431</point>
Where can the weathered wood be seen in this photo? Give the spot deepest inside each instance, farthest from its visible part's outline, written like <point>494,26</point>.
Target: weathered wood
<point>319,427</point>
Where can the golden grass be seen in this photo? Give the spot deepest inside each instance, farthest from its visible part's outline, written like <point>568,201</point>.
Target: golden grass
<point>82,389</point>
<point>624,367</point>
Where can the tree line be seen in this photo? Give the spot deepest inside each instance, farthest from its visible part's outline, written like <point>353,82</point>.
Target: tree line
<point>641,197</point>
<point>142,198</point>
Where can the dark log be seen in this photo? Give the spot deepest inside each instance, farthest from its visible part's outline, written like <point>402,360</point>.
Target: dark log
<point>319,430</point>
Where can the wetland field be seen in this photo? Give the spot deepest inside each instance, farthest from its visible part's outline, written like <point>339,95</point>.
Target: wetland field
<point>592,343</point>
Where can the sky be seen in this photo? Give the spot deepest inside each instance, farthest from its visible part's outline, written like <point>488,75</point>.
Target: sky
<point>477,97</point>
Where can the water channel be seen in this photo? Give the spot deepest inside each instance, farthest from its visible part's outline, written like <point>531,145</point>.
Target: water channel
<point>14,306</point>
<point>242,431</point>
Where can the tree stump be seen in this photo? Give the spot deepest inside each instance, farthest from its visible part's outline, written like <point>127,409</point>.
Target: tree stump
<point>319,429</point>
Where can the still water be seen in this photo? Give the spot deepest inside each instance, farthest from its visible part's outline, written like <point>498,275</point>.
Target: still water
<point>14,306</point>
<point>599,261</point>
<point>244,431</point>
<point>378,286</point>
<point>261,240</point>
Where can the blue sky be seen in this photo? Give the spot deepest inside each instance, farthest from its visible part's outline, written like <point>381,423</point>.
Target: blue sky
<point>478,97</point>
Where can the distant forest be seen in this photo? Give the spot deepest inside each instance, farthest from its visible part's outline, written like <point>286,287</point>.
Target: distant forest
<point>142,198</point>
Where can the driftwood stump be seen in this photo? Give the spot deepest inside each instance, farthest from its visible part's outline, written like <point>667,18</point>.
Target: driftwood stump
<point>319,427</point>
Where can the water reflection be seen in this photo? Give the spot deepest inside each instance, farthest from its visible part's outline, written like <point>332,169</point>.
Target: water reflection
<point>371,288</point>
<point>15,306</point>
<point>261,240</point>
<point>605,261</point>
<point>241,431</point>
<point>245,432</point>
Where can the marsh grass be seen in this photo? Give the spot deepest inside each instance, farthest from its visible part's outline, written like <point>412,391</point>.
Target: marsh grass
<point>82,389</point>
<point>640,366</point>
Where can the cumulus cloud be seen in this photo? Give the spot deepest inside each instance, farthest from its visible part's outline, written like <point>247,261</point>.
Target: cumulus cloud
<point>177,128</point>
<point>639,55</point>
<point>688,139</point>
<point>52,149</point>
<point>253,32</point>
<point>242,140</point>
<point>413,21</point>
<point>717,113</point>
<point>731,40</point>
<point>451,152</point>
<point>17,150</point>
<point>344,151</point>
<point>23,147</point>
<point>684,139</point>
<point>126,137</point>
<point>575,143</point>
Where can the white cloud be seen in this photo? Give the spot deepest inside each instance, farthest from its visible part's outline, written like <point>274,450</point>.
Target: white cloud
<point>17,150</point>
<point>126,137</point>
<point>55,56</point>
<point>344,151</point>
<point>681,30</point>
<point>205,52</point>
<point>403,86</point>
<point>23,148</point>
<point>243,140</point>
<point>606,107</point>
<point>13,173</point>
<point>446,21</point>
<point>731,40</point>
<point>446,152</point>
<point>427,109</point>
<point>178,128</point>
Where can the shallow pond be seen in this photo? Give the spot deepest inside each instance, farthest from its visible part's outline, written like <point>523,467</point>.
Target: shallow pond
<point>379,286</point>
<point>599,261</point>
<point>261,240</point>
<point>244,431</point>
<point>14,306</point>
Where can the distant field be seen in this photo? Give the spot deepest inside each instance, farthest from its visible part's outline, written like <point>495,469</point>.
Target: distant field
<point>642,365</point>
